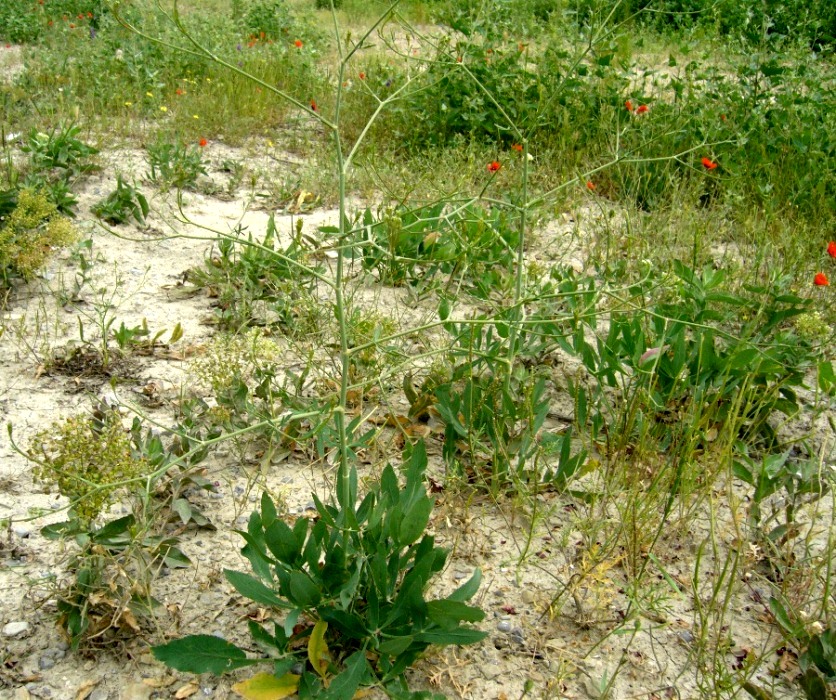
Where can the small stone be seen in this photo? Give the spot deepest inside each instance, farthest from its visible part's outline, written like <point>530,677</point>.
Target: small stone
<point>459,576</point>
<point>62,644</point>
<point>46,662</point>
<point>238,491</point>
<point>208,690</point>
<point>16,629</point>
<point>686,636</point>
<point>218,633</point>
<point>252,498</point>
<point>242,520</point>
<point>98,694</point>
<point>504,626</point>
<point>22,531</point>
<point>517,635</point>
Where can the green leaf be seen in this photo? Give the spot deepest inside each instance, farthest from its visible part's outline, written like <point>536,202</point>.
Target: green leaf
<point>250,587</point>
<point>813,686</point>
<point>415,521</point>
<point>345,685</point>
<point>468,589</point>
<point>462,635</point>
<point>202,653</point>
<point>281,542</point>
<point>182,507</point>
<point>448,613</point>
<point>303,591</point>
<point>266,686</point>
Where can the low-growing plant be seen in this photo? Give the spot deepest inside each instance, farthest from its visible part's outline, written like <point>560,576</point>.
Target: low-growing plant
<point>261,283</point>
<point>173,164</point>
<point>123,204</point>
<point>350,586</point>
<point>28,234</point>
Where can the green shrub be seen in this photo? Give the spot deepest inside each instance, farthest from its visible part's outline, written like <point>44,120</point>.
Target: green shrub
<point>28,234</point>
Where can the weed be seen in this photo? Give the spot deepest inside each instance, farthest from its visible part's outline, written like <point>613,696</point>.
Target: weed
<point>28,234</point>
<point>351,587</point>
<point>124,203</point>
<point>173,164</point>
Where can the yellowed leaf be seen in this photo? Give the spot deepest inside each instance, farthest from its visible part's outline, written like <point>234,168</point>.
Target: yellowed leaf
<point>266,686</point>
<point>186,691</point>
<point>318,653</point>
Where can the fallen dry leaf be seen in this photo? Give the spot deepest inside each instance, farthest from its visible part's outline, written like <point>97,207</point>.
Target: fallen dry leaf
<point>186,691</point>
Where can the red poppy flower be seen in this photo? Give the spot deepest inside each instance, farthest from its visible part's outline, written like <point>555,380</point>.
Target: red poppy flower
<point>80,16</point>
<point>89,15</point>
<point>723,117</point>
<point>493,166</point>
<point>708,164</point>
<point>831,249</point>
<point>820,280</point>
<point>313,105</point>
<point>642,109</point>
<point>298,43</point>
<point>590,185</point>
<point>202,143</point>
<point>517,147</point>
<point>628,106</point>
<point>362,75</point>
<point>178,91</point>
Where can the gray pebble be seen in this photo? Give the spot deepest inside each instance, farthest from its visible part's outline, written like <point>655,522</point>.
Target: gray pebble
<point>459,576</point>
<point>16,629</point>
<point>98,694</point>
<point>238,490</point>
<point>686,636</point>
<point>62,644</point>
<point>22,531</point>
<point>252,498</point>
<point>46,662</point>
<point>208,690</point>
<point>517,635</point>
<point>218,633</point>
<point>504,626</point>
<point>242,520</point>
<point>217,495</point>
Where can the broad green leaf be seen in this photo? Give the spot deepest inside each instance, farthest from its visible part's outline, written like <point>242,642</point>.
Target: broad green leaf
<point>345,685</point>
<point>448,613</point>
<point>396,646</point>
<point>266,686</point>
<point>415,521</point>
<point>468,589</point>
<point>183,508</point>
<point>462,635</point>
<point>202,653</point>
<point>281,542</point>
<point>250,587</point>
<point>318,653</point>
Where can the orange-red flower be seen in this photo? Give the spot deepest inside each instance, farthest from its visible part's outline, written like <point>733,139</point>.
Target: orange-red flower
<point>517,147</point>
<point>313,105</point>
<point>179,91</point>
<point>590,185</point>
<point>493,166</point>
<point>202,143</point>
<point>708,164</point>
<point>820,280</point>
<point>298,43</point>
<point>831,249</point>
<point>362,75</point>
<point>628,105</point>
<point>641,109</point>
